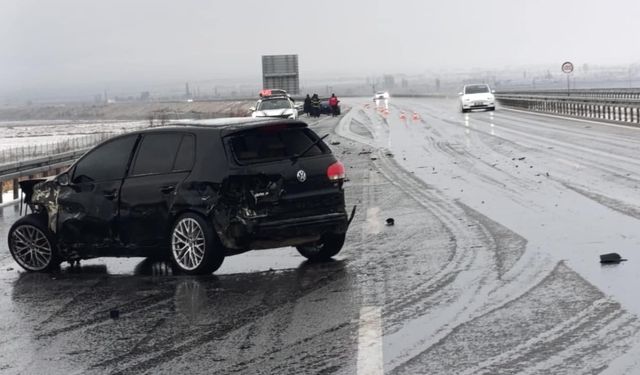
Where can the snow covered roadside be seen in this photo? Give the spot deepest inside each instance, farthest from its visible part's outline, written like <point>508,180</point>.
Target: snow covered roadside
<point>22,140</point>
<point>7,199</point>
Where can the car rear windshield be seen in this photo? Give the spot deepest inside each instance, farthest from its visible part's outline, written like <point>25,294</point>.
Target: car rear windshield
<point>274,144</point>
<point>476,89</point>
<point>274,104</point>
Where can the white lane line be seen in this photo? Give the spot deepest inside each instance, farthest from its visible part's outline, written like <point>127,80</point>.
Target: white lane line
<point>373,225</point>
<point>370,360</point>
<point>630,126</point>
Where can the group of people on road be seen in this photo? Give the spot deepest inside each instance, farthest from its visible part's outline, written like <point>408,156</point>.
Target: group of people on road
<point>313,105</point>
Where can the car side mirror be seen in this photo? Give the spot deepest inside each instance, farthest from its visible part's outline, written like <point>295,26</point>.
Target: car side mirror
<point>459,94</point>
<point>63,179</point>
<point>252,109</point>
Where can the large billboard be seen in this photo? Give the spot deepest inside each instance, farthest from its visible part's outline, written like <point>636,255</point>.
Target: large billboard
<point>281,72</point>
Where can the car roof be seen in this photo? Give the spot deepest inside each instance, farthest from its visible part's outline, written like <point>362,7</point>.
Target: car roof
<point>231,125</point>
<point>274,97</point>
<point>222,127</point>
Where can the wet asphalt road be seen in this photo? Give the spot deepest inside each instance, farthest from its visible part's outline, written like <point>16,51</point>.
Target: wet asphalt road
<point>452,288</point>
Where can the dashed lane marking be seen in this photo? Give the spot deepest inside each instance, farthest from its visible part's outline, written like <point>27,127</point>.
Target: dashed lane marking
<point>370,360</point>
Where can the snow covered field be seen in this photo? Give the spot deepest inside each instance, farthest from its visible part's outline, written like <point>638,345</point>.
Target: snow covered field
<point>20,140</point>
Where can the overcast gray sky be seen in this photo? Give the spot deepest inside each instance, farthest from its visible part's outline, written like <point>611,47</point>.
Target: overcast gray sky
<point>67,43</point>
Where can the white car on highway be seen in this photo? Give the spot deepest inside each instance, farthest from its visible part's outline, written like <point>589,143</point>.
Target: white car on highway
<point>477,96</point>
<point>381,95</point>
<point>275,106</point>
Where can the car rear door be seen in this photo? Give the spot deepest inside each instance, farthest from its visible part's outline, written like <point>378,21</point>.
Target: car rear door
<point>161,164</point>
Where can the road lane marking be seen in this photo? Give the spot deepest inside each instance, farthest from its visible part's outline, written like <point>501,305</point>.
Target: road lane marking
<point>370,341</point>
<point>373,221</point>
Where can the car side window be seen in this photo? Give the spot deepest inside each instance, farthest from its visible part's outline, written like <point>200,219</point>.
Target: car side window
<point>156,154</point>
<point>107,162</point>
<point>186,154</point>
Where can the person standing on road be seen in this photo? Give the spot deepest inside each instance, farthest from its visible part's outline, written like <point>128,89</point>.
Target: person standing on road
<point>307,105</point>
<point>333,103</point>
<point>315,106</point>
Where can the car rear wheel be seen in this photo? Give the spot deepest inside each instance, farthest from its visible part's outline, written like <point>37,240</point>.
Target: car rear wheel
<point>32,245</point>
<point>195,248</point>
<point>327,247</point>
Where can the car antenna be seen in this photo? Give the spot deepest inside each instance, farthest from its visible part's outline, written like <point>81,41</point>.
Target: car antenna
<point>295,158</point>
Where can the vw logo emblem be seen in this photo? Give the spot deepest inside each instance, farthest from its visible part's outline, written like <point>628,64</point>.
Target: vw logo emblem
<point>302,176</point>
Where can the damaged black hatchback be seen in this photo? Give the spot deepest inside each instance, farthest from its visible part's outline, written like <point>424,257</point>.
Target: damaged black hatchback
<point>193,193</point>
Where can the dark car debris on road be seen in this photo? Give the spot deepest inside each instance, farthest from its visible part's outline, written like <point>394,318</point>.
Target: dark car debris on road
<point>610,258</point>
<point>194,193</point>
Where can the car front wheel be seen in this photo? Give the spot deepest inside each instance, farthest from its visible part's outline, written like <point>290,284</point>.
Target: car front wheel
<point>323,250</point>
<point>32,245</point>
<point>195,247</point>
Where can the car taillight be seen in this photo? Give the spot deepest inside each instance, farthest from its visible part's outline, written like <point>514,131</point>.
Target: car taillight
<point>336,171</point>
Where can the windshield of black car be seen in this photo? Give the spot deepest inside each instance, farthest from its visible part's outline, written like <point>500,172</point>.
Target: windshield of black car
<point>274,144</point>
<point>476,89</point>
<point>266,105</point>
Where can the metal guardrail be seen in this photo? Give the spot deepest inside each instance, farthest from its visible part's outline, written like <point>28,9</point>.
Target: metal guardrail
<point>609,106</point>
<point>33,166</point>
<point>19,154</point>
<point>629,93</point>
<point>43,159</point>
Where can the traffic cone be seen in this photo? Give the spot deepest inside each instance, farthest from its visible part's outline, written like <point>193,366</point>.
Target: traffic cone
<point>403,116</point>
<point>415,116</point>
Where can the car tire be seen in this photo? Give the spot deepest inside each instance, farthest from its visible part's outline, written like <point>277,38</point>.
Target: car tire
<point>32,245</point>
<point>194,246</point>
<point>492,108</point>
<point>323,250</point>
<point>464,110</point>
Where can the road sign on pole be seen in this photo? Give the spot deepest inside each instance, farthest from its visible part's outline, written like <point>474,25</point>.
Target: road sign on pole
<point>567,68</point>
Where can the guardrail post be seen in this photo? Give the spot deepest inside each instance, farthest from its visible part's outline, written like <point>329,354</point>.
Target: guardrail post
<point>16,188</point>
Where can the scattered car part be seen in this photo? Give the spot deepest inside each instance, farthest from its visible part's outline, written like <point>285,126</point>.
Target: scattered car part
<point>611,258</point>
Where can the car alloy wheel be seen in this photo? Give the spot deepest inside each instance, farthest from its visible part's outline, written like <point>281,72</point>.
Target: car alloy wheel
<point>188,244</point>
<point>31,248</point>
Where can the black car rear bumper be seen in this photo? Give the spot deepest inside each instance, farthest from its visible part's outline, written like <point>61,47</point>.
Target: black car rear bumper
<point>267,233</point>
<point>296,224</point>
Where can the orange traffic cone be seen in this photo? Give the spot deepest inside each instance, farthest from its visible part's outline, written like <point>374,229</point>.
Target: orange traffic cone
<point>415,116</point>
<point>403,116</point>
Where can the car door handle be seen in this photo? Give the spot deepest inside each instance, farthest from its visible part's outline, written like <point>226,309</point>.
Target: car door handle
<point>110,195</point>
<point>168,189</point>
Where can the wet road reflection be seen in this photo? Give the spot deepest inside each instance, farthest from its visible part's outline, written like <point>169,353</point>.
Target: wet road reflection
<point>228,323</point>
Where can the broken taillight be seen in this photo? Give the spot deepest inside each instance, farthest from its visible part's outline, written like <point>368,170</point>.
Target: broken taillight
<point>336,171</point>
